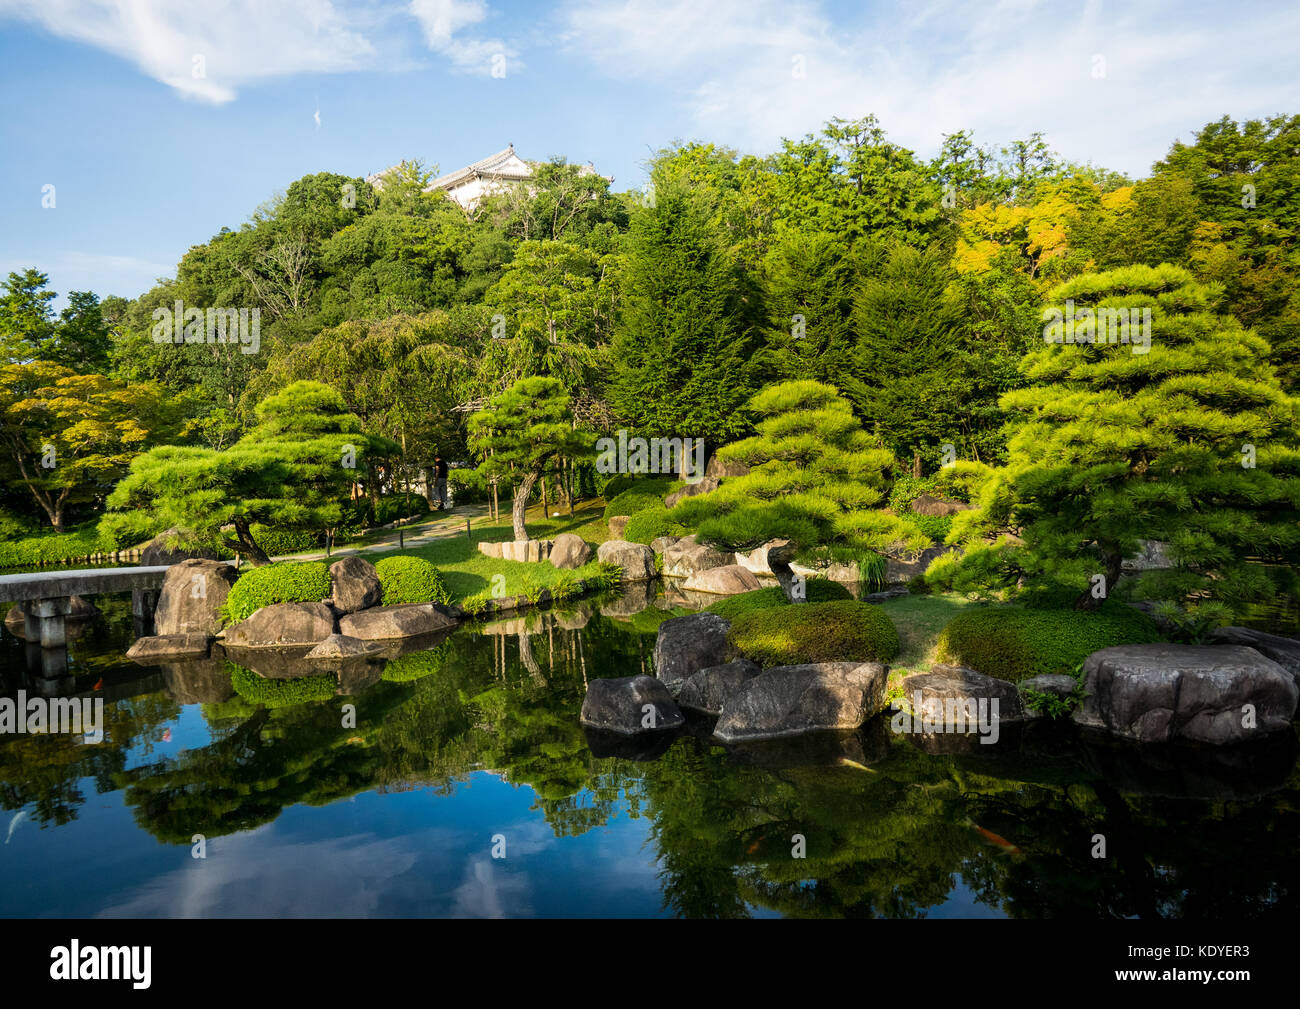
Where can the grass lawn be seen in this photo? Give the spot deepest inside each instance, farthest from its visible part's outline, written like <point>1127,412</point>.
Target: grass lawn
<point>466,572</point>
<point>919,620</point>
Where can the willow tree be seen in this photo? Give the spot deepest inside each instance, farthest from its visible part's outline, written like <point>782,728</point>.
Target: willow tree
<point>293,470</point>
<point>816,478</point>
<point>1181,435</point>
<point>521,430</point>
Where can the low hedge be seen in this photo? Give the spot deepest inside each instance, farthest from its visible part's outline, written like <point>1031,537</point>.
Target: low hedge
<point>648,525</point>
<point>291,582</point>
<point>815,632</point>
<point>407,579</point>
<point>1015,643</point>
<point>819,590</point>
<point>281,693</point>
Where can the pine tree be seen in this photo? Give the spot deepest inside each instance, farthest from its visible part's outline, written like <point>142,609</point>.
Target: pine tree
<point>1192,443</point>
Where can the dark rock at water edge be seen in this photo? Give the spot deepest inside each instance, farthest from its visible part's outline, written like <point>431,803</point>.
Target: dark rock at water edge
<point>630,705</point>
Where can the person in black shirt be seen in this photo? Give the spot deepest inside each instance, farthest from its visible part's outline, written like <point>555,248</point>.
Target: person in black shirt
<point>440,482</point>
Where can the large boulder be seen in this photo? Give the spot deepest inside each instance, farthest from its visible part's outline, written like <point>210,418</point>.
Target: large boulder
<point>957,699</point>
<point>719,467</point>
<point>630,705</point>
<point>384,623</point>
<point>725,581</point>
<point>282,625</point>
<point>791,700</point>
<point>1284,651</point>
<point>193,593</point>
<point>772,558</point>
<point>1160,693</point>
<point>355,585</point>
<point>690,643</point>
<point>661,543</point>
<point>686,557</point>
<point>617,523</point>
<point>636,559</point>
<point>704,485</point>
<point>927,504</point>
<point>902,564</point>
<point>570,551</point>
<point>169,646</point>
<point>342,646</point>
<point>157,553</point>
<point>707,690</point>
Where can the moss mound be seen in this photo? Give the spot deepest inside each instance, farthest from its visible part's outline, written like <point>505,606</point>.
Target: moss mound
<point>815,632</point>
<point>410,580</point>
<point>648,525</point>
<point>820,590</point>
<point>294,582</point>
<point>1014,643</point>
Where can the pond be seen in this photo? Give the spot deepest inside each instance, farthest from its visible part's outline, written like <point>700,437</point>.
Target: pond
<point>465,786</point>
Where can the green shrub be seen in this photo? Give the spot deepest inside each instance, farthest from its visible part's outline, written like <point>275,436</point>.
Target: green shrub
<point>819,590</point>
<point>1015,643</point>
<point>632,501</point>
<point>293,582</point>
<point>401,506</point>
<point>279,542</point>
<point>416,665</point>
<point>281,693</point>
<point>407,579</point>
<point>815,632</point>
<point>467,486</point>
<point>648,525</point>
<point>74,545</point>
<point>652,486</point>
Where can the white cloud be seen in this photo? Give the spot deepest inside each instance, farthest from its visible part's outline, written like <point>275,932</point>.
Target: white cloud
<point>443,21</point>
<point>927,70</point>
<point>206,51</point>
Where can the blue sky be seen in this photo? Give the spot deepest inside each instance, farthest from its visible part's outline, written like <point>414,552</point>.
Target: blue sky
<point>101,99</point>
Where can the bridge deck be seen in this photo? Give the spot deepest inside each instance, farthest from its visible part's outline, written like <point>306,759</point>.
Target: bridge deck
<point>88,582</point>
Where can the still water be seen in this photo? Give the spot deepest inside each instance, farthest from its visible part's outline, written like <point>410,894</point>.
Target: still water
<point>470,748</point>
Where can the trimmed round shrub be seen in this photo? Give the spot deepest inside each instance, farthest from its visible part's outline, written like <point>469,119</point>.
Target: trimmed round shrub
<point>281,693</point>
<point>647,526</point>
<point>410,580</point>
<point>292,582</point>
<point>1013,643</point>
<point>819,590</point>
<point>815,632</point>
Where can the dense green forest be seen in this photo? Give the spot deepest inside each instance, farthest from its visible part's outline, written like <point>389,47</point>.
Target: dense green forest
<point>915,289</point>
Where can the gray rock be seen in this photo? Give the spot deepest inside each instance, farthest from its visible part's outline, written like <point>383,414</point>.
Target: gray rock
<point>1159,693</point>
<point>719,467</point>
<point>1058,685</point>
<point>342,646</point>
<point>386,622</point>
<point>661,543</point>
<point>169,646</point>
<point>354,585</point>
<point>1284,651</point>
<point>688,644</point>
<point>570,551</point>
<point>769,559</point>
<point>281,625</point>
<point>686,557</point>
<point>156,552</point>
<point>901,565</point>
<point>193,593</point>
<point>626,704</point>
<point>636,559</point>
<point>704,485</point>
<point>725,581</point>
<point>708,689</point>
<point>927,504</point>
<point>526,551</point>
<point>951,697</point>
<point>791,700</point>
<point>617,524</point>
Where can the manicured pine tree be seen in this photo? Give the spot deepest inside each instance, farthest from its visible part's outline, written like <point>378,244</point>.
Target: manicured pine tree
<point>1193,443</point>
<point>521,430</point>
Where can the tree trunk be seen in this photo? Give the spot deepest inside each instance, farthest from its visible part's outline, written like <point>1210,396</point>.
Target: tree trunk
<point>247,545</point>
<point>916,465</point>
<point>522,493</point>
<point>1114,569</point>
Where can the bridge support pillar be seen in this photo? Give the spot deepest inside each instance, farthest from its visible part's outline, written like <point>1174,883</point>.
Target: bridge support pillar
<point>51,617</point>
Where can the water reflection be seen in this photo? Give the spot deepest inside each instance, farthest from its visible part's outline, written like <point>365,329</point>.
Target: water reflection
<point>374,786</point>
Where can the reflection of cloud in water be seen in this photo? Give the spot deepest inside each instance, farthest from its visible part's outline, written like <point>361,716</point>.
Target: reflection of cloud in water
<point>253,874</point>
<point>489,891</point>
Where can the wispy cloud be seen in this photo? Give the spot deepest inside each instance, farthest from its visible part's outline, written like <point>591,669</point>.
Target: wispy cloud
<point>1107,83</point>
<point>443,23</point>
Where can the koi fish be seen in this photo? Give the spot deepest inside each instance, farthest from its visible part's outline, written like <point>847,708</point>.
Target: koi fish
<point>846,762</point>
<point>99,684</point>
<point>167,735</point>
<point>753,847</point>
<point>996,839</point>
